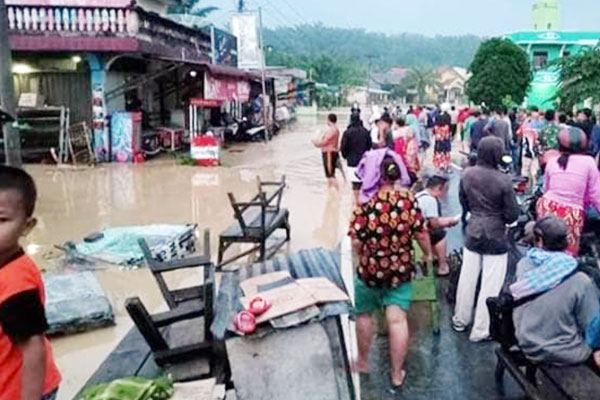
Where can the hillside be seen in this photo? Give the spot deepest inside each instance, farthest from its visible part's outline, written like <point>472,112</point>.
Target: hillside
<point>347,51</point>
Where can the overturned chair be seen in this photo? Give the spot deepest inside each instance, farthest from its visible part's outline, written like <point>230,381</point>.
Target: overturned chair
<point>256,221</point>
<point>180,339</point>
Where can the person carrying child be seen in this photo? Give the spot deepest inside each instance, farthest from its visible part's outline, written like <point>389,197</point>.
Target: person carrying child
<point>27,367</point>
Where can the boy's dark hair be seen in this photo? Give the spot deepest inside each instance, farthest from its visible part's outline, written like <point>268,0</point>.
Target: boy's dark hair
<point>332,118</point>
<point>390,170</point>
<point>17,179</point>
<point>562,118</point>
<point>477,114</point>
<point>570,114</point>
<point>485,111</point>
<point>400,122</point>
<point>553,232</point>
<point>385,117</point>
<point>534,109</point>
<point>550,115</point>
<point>436,181</point>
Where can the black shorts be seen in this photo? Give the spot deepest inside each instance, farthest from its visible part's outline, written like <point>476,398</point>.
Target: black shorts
<point>437,235</point>
<point>330,161</point>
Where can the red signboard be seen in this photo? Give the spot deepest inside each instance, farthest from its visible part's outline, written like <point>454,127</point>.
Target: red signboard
<point>206,103</point>
<point>226,88</point>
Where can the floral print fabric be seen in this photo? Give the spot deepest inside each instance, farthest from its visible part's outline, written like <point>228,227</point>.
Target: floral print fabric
<point>443,146</point>
<point>385,227</point>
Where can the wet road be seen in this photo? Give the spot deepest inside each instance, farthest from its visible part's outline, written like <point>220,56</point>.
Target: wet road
<point>74,203</point>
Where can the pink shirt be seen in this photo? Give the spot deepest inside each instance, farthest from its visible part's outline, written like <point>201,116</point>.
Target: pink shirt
<point>578,186</point>
<point>329,142</point>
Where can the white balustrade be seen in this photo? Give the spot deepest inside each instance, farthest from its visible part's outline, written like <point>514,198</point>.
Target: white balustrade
<point>44,18</point>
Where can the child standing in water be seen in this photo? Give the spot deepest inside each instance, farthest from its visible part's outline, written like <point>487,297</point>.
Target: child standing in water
<point>27,368</point>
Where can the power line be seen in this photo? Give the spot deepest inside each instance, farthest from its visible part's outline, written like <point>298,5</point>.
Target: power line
<point>296,12</point>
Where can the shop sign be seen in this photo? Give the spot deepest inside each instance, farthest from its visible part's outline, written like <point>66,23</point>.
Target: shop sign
<point>230,89</point>
<point>206,103</point>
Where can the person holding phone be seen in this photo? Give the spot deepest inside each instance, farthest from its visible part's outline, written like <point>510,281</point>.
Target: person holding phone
<point>431,207</point>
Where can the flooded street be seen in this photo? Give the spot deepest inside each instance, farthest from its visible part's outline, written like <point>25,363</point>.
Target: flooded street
<point>76,202</point>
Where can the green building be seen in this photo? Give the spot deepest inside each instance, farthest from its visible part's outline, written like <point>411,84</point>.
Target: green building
<point>544,44</point>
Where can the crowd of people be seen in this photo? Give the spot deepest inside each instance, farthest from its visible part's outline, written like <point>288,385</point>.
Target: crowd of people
<point>556,153</point>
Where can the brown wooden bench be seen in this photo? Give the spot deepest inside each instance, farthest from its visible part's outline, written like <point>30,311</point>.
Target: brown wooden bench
<point>181,342</point>
<point>256,221</point>
<point>539,381</point>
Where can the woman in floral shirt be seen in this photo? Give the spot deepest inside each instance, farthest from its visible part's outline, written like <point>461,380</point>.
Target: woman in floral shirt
<point>383,229</point>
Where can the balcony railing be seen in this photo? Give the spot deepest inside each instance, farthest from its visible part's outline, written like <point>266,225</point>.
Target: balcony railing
<point>66,19</point>
<point>155,33</point>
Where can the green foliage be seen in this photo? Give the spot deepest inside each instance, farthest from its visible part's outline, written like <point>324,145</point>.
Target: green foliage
<point>307,45</point>
<point>134,388</point>
<point>422,78</point>
<point>323,68</point>
<point>580,79</point>
<point>190,7</point>
<point>501,74</point>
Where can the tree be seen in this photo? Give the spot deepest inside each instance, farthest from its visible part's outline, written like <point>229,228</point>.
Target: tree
<point>190,7</point>
<point>501,73</point>
<point>421,79</point>
<point>580,79</point>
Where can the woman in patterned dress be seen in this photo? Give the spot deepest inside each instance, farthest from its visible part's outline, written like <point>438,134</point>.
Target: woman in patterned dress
<point>442,135</point>
<point>571,184</point>
<point>382,229</point>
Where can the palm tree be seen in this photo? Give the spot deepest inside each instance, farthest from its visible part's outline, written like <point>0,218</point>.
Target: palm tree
<point>190,7</point>
<point>421,79</point>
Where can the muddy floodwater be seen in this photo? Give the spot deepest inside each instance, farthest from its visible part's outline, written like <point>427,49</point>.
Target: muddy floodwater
<point>76,202</point>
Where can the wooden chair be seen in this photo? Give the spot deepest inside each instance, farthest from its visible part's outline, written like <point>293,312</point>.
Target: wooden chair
<point>174,298</point>
<point>173,341</point>
<point>256,221</point>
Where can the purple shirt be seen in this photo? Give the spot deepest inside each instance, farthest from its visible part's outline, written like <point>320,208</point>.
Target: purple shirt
<point>578,186</point>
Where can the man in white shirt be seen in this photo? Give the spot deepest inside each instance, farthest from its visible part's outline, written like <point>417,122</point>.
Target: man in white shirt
<point>429,203</point>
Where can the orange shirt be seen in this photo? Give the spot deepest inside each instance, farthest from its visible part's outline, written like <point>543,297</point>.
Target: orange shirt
<point>18,276</point>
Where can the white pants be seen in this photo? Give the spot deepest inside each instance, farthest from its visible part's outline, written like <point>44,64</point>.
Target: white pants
<point>494,272</point>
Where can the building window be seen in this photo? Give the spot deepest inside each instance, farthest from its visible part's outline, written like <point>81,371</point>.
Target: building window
<point>540,59</point>
<point>535,27</point>
<point>549,26</point>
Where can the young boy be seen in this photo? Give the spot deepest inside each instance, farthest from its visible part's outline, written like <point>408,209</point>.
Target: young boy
<point>27,368</point>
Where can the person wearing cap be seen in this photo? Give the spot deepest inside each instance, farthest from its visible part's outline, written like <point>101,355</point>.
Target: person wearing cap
<point>571,184</point>
<point>560,302</point>
<point>356,141</point>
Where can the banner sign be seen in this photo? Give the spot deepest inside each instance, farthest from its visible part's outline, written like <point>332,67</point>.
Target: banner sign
<point>245,27</point>
<point>230,89</point>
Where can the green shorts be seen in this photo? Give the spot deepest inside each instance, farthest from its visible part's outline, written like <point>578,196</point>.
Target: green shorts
<point>369,299</point>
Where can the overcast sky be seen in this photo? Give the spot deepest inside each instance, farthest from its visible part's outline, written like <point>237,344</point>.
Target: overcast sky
<point>429,17</point>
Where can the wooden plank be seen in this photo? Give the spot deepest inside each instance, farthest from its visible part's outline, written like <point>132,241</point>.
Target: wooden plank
<point>292,364</point>
<point>575,382</point>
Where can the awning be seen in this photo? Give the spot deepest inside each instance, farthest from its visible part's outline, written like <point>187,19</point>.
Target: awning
<point>226,71</point>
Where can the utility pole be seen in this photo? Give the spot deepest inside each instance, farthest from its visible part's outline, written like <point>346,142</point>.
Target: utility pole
<point>262,68</point>
<point>12,142</point>
<point>369,57</point>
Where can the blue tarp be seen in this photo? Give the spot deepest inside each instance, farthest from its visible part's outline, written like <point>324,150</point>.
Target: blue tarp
<point>120,245</point>
<point>75,302</point>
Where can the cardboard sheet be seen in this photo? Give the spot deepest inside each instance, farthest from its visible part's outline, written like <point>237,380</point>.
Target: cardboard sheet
<point>285,299</point>
<point>322,289</point>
